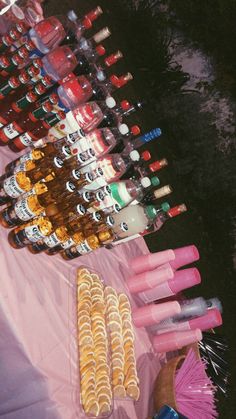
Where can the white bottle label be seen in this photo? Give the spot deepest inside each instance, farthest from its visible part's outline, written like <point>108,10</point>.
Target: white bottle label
<point>33,233</point>
<point>23,211</point>
<point>10,131</point>
<point>84,248</point>
<point>52,240</point>
<point>68,244</point>
<point>26,157</point>
<point>20,168</point>
<point>11,187</point>
<point>25,139</point>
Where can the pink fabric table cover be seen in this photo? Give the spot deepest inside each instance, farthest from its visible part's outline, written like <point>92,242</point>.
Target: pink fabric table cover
<point>38,341</point>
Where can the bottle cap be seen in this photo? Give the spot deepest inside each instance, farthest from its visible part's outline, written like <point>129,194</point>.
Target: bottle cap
<point>165,190</point>
<point>72,16</point>
<point>87,23</point>
<point>123,128</point>
<point>123,80</point>
<point>102,35</point>
<point>100,50</point>
<point>155,181</point>
<point>134,155</point>
<point>177,210</point>
<point>157,165</point>
<point>165,206</point>
<point>145,182</point>
<point>101,75</point>
<point>146,155</point>
<point>125,105</point>
<point>151,211</point>
<point>110,102</point>
<point>113,58</point>
<point>95,13</point>
<point>214,303</point>
<point>135,130</point>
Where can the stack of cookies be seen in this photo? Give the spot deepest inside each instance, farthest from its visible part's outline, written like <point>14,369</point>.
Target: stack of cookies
<point>106,345</point>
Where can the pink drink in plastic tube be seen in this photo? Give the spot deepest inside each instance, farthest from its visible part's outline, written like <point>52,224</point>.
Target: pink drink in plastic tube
<point>173,341</point>
<point>150,279</point>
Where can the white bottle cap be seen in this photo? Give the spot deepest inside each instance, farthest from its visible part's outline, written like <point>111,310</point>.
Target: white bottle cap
<point>72,16</point>
<point>110,102</point>
<point>123,128</point>
<point>134,155</point>
<point>145,182</point>
<point>101,76</point>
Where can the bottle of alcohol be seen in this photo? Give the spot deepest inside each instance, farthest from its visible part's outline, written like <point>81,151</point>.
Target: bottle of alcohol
<point>41,128</point>
<point>20,11</point>
<point>141,140</point>
<point>31,232</point>
<point>150,196</point>
<point>12,36</point>
<point>22,182</point>
<point>133,218</point>
<point>26,121</point>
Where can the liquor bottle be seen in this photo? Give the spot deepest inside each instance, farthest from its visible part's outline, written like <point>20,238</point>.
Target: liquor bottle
<point>102,140</point>
<point>124,192</point>
<point>163,215</point>
<point>31,232</point>
<point>27,11</point>
<point>46,35</point>
<point>59,148</point>
<point>26,121</point>
<point>141,140</point>
<point>95,114</point>
<point>14,34</point>
<point>22,182</point>
<point>41,128</point>
<point>139,217</point>
<point>156,194</point>
<point>112,166</point>
<point>140,171</point>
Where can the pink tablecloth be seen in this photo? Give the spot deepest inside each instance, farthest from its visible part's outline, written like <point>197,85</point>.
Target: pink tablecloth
<point>38,367</point>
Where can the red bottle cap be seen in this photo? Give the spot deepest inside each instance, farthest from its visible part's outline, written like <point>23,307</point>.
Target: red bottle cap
<point>123,80</point>
<point>100,50</point>
<point>40,89</point>
<point>135,130</point>
<point>113,58</point>
<point>33,71</point>
<point>21,27</point>
<point>173,212</point>
<point>54,98</point>
<point>61,115</point>
<point>14,81</point>
<point>87,23</point>
<point>29,45</point>
<point>5,61</point>
<point>24,77</point>
<point>157,165</point>
<point>146,155</point>
<point>31,96</point>
<point>23,52</point>
<point>47,81</point>
<point>37,62</point>
<point>94,14</point>
<point>125,105</point>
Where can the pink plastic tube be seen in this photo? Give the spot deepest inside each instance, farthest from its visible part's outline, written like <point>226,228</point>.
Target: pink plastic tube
<point>177,258</point>
<point>173,341</point>
<point>150,279</point>
<point>210,320</point>
<point>154,313</point>
<point>183,279</point>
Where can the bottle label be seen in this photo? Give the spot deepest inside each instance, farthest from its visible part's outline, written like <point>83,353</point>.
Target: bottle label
<point>33,233</point>
<point>84,115</point>
<point>10,131</point>
<point>109,172</point>
<point>68,244</point>
<point>20,168</point>
<point>70,186</point>
<point>58,162</point>
<point>52,240</point>
<point>74,137</point>
<point>12,188</point>
<point>80,145</point>
<point>25,139</point>
<point>23,211</point>
<point>84,248</point>
<point>26,157</point>
<point>120,194</point>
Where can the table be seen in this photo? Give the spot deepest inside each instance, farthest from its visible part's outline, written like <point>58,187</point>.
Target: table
<point>38,366</point>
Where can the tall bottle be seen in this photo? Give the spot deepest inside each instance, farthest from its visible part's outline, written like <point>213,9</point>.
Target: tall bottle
<point>152,195</point>
<point>163,215</point>
<point>27,120</point>
<point>94,114</point>
<point>139,218</point>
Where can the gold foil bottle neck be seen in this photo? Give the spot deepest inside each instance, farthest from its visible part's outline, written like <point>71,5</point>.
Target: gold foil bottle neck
<point>78,237</point>
<point>34,205</point>
<point>45,226</point>
<point>105,235</point>
<point>62,234</point>
<point>23,181</point>
<point>93,241</point>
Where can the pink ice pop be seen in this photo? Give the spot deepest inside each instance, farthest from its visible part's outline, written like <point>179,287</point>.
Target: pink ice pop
<point>154,313</point>
<point>173,341</point>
